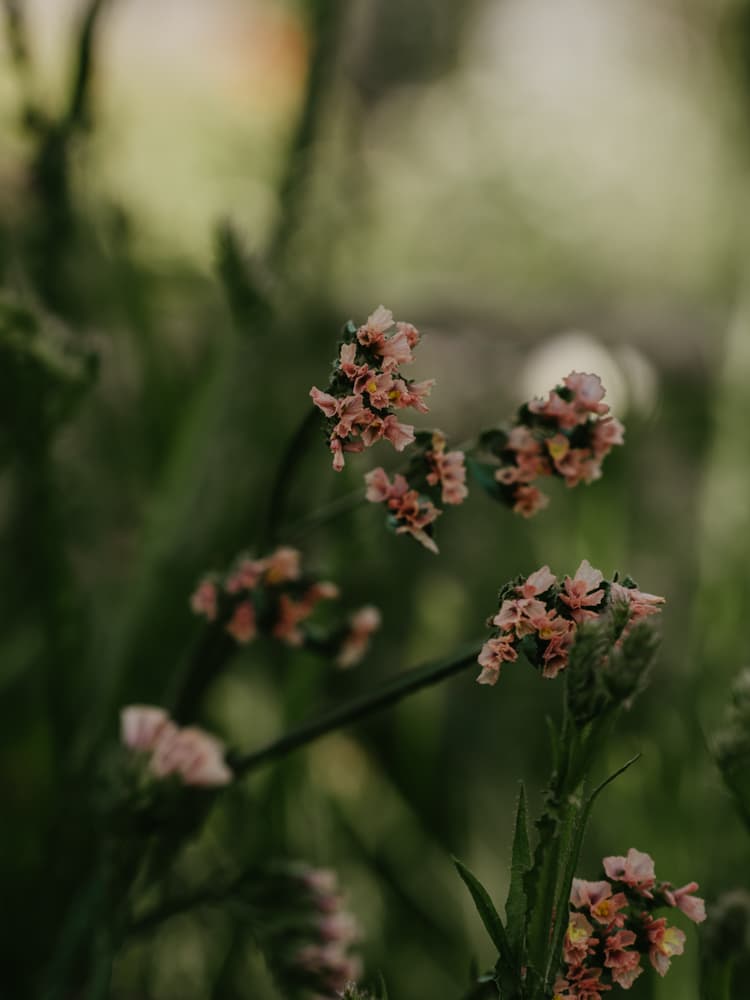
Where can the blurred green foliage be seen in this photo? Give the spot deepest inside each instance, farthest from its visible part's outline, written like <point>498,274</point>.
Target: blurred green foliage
<point>146,394</point>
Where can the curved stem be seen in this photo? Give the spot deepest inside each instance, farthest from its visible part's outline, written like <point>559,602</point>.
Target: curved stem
<point>360,708</point>
<point>285,474</point>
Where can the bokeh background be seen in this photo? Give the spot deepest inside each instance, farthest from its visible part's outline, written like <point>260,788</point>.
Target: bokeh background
<point>193,197</point>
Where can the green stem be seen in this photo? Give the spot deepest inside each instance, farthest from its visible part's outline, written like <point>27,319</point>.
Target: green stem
<point>360,708</point>
<point>284,477</point>
<point>213,650</point>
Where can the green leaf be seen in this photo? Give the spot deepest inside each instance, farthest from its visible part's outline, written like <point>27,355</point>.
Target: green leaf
<point>506,968</point>
<point>515,906</point>
<point>579,822</point>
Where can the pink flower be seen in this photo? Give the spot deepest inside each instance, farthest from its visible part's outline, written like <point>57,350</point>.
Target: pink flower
<point>204,600</point>
<point>665,943</point>
<point>395,351</point>
<point>560,635</point>
<point>410,332</point>
<point>193,755</point>
<point>290,615</point>
<point>142,725</point>
<point>348,365</point>
<point>641,605</point>
<point>362,625</point>
<point>324,401</point>
<point>372,333</point>
<point>581,592</point>
<point>605,435</point>
<point>584,984</point>
<point>241,626</point>
<point>588,392</point>
<point>245,576</point>
<point>447,470</point>
<point>625,964</point>
<point>583,893</point>
<point>538,582</point>
<point>413,395</point>
<point>529,500</point>
<point>283,565</point>
<point>378,485</point>
<point>578,466</point>
<point>578,943</point>
<point>400,435</point>
<point>692,906</point>
<point>494,653</point>
<point>377,387</point>
<point>635,870</point>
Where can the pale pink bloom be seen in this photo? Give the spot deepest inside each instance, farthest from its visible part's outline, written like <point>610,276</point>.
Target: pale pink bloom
<point>665,943</point>
<point>142,725</point>
<point>508,474</point>
<point>338,928</point>
<point>324,590</point>
<point>378,485</point>
<point>321,881</point>
<point>351,410</point>
<point>538,582</point>
<point>410,332</point>
<point>692,906</point>
<point>324,401</point>
<point>641,605</point>
<point>605,434</point>
<point>583,893</point>
<point>555,655</point>
<point>329,962</point>
<point>338,454</point>
<point>241,626</point>
<point>577,944</point>
<point>413,394</point>
<point>578,466</point>
<point>588,392</point>
<point>362,625</point>
<point>582,593</point>
<point>584,984</point>
<point>531,460</point>
<point>635,870</point>
<point>447,470</point>
<point>377,387</point>
<point>347,362</point>
<point>204,600</point>
<point>624,963</point>
<point>290,614</point>
<point>529,500</point>
<point>194,755</point>
<point>400,435</point>
<point>519,614</point>
<point>395,351</point>
<point>371,333</point>
<point>283,565</point>
<point>556,408</point>
<point>245,576</point>
<point>494,653</point>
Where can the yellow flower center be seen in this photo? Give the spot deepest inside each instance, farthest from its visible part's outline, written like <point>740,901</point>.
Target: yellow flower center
<point>372,385</point>
<point>394,394</point>
<point>577,934</point>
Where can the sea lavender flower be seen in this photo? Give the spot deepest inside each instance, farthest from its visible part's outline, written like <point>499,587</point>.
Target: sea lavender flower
<point>567,435</point>
<point>612,927</point>
<point>276,596</point>
<point>192,755</point>
<point>544,619</point>
<point>433,477</point>
<point>367,387</point>
<point>306,931</point>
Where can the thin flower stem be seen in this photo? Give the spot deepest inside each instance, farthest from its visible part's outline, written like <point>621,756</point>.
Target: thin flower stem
<point>289,463</point>
<point>360,708</point>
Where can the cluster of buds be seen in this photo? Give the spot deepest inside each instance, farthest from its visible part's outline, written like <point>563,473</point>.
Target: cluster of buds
<point>612,926</point>
<point>190,754</point>
<point>273,596</point>
<point>434,476</point>
<point>568,435</point>
<point>541,617</point>
<point>366,387</point>
<point>306,931</point>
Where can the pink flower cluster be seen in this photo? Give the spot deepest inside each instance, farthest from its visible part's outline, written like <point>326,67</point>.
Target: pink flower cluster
<point>568,435</point>
<point>190,753</point>
<point>275,597</point>
<point>540,616</point>
<point>311,933</point>
<point>612,926</point>
<point>434,476</point>
<point>367,387</point>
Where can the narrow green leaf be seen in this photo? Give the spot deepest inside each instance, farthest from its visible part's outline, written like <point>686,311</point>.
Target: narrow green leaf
<point>572,853</point>
<point>515,906</point>
<point>491,920</point>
